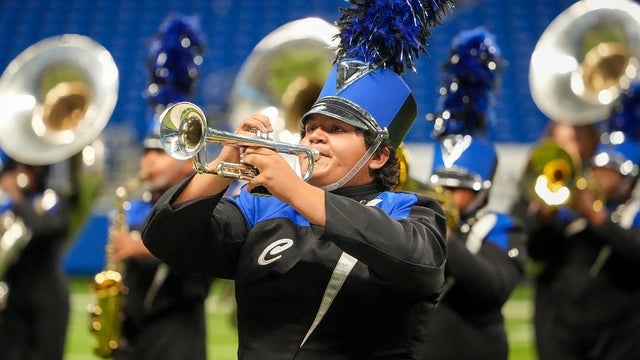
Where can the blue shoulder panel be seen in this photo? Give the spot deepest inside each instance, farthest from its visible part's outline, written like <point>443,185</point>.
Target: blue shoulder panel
<point>499,235</point>
<point>397,205</point>
<point>260,208</point>
<point>138,212</point>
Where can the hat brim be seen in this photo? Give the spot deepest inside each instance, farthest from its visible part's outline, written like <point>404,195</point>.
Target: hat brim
<point>341,109</point>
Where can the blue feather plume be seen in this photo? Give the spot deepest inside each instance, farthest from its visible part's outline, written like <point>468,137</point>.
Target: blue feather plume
<point>471,80</point>
<point>388,33</point>
<point>625,113</point>
<point>175,58</point>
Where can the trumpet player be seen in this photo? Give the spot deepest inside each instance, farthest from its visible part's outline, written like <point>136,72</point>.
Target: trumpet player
<point>486,248</point>
<point>336,267</point>
<point>587,251</point>
<point>34,323</point>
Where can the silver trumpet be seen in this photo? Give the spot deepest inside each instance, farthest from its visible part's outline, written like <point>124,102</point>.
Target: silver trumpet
<point>184,133</point>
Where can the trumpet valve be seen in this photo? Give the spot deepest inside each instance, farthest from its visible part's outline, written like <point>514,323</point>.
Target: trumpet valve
<point>236,171</point>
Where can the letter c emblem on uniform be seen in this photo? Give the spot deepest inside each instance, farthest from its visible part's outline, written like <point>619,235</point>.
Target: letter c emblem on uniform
<point>272,252</point>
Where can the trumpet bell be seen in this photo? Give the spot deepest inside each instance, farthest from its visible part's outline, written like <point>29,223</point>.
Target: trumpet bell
<point>57,96</point>
<point>584,59</point>
<point>183,130</point>
<point>550,174</point>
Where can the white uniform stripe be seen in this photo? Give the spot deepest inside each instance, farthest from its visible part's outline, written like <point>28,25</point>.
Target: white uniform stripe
<point>343,268</point>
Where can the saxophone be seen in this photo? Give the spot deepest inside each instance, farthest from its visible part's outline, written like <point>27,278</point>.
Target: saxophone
<point>107,315</point>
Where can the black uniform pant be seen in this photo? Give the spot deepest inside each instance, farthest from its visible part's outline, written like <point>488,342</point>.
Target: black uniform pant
<point>34,324</point>
<point>559,338</point>
<point>178,333</point>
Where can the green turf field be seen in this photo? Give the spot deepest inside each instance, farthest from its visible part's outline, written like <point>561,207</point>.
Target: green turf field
<point>518,312</point>
<point>221,331</point>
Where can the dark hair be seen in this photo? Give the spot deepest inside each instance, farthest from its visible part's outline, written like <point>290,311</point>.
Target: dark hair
<point>39,172</point>
<point>386,177</point>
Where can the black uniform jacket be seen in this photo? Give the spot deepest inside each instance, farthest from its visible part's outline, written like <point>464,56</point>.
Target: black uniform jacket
<point>282,266</point>
<point>587,287</point>
<point>486,260</point>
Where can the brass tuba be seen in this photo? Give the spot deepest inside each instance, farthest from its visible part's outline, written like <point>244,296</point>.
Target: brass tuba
<point>582,62</point>
<point>56,96</point>
<point>584,59</point>
<point>283,75</point>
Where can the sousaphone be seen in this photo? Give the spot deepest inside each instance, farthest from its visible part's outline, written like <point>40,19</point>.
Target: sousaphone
<point>283,75</point>
<point>584,59</point>
<point>581,64</point>
<point>56,97</point>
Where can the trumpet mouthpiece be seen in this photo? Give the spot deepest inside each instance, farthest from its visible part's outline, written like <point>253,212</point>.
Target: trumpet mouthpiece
<point>316,154</point>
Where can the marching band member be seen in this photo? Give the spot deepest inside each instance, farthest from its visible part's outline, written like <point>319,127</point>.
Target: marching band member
<point>486,249</point>
<point>34,323</point>
<point>339,266</point>
<point>164,310</point>
<point>588,251</point>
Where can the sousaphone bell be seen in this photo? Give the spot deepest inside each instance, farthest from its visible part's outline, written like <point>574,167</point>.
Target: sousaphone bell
<point>584,59</point>
<point>56,96</point>
<point>283,75</point>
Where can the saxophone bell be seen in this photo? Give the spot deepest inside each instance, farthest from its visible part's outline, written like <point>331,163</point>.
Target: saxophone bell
<point>106,316</point>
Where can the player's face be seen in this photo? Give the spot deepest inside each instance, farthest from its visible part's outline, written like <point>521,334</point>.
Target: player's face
<point>341,146</point>
<point>162,170</point>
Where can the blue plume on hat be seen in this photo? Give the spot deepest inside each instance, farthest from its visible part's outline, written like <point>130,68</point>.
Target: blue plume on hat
<point>175,58</point>
<point>472,78</point>
<point>174,62</point>
<point>620,144</point>
<point>379,41</point>
<point>462,157</point>
<point>388,33</point>
<point>625,113</point>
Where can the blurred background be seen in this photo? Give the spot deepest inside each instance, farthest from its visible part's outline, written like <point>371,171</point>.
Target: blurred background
<point>232,29</point>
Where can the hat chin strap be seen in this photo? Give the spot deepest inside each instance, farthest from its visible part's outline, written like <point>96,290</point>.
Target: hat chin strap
<point>476,203</point>
<point>363,160</point>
